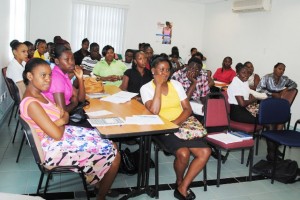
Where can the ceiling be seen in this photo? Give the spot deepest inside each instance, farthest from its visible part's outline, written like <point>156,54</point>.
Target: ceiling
<point>206,1</point>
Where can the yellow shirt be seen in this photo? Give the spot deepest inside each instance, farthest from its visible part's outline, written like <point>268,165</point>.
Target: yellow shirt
<point>37,55</point>
<point>170,104</point>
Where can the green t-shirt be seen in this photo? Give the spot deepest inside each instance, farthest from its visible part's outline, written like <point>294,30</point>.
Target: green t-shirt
<point>116,67</point>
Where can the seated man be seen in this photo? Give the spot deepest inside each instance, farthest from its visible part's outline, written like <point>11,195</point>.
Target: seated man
<point>195,83</point>
<point>91,60</point>
<point>129,58</point>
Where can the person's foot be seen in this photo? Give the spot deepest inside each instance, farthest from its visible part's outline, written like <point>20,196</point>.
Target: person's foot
<point>179,196</point>
<point>191,193</point>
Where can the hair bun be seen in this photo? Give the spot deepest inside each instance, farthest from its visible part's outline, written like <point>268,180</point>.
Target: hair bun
<point>14,43</point>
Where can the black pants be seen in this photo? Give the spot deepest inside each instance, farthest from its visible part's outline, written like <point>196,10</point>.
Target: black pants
<point>241,114</point>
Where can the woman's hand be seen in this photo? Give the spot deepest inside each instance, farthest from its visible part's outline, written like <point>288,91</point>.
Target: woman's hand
<point>78,72</point>
<point>160,79</point>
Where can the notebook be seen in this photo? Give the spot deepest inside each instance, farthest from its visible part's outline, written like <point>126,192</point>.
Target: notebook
<point>109,121</point>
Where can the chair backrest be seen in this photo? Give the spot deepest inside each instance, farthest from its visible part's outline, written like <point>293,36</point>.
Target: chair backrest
<point>274,111</point>
<point>290,95</point>
<point>11,86</point>
<point>225,94</point>
<point>215,111</point>
<point>33,141</point>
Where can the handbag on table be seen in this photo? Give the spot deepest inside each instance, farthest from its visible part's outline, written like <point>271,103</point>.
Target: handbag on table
<point>92,85</point>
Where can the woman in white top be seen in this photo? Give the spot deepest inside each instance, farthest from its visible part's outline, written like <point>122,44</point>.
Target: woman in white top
<point>239,97</point>
<point>16,66</point>
<point>253,79</point>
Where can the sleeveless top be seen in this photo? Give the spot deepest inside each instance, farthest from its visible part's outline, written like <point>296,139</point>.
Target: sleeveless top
<point>52,111</point>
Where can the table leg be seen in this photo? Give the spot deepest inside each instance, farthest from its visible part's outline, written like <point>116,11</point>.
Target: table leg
<point>143,171</point>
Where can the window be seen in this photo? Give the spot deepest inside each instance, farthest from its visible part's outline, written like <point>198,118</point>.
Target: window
<point>18,20</point>
<point>101,23</point>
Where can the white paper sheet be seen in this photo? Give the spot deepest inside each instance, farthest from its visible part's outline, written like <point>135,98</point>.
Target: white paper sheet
<point>97,95</point>
<point>225,138</point>
<point>144,120</point>
<point>98,113</point>
<point>120,97</point>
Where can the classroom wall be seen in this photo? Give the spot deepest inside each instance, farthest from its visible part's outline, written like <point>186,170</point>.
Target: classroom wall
<point>141,26</point>
<point>265,38</point>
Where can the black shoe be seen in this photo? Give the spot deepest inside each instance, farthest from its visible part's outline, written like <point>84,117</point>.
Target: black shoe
<point>191,194</point>
<point>113,193</point>
<point>179,196</point>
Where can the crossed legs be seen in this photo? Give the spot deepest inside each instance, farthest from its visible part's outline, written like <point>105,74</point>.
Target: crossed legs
<point>181,162</point>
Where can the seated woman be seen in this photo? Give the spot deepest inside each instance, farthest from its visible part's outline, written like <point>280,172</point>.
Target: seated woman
<point>195,83</point>
<point>168,99</point>
<point>239,97</point>
<point>253,79</point>
<point>225,74</point>
<point>65,145</point>
<point>136,77</point>
<point>200,56</point>
<point>108,69</point>
<point>30,49</point>
<point>276,84</point>
<point>83,52</point>
<point>41,49</point>
<point>16,67</point>
<point>61,90</point>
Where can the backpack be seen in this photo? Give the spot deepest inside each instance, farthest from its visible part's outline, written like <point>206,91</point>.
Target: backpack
<point>286,170</point>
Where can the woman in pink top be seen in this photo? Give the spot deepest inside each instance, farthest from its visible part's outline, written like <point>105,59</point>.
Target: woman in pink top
<point>61,90</point>
<point>167,33</point>
<point>62,144</point>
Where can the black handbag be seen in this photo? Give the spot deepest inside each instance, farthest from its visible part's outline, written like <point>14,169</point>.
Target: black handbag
<point>77,115</point>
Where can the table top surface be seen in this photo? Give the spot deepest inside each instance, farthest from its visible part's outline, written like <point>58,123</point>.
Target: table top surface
<point>123,110</point>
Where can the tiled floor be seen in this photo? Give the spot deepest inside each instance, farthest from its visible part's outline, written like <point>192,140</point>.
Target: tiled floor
<point>22,177</point>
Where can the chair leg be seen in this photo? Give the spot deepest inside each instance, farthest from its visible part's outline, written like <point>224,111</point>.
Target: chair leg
<point>283,152</point>
<point>205,178</point>
<point>225,157</point>
<point>156,148</point>
<point>219,168</point>
<point>11,113</point>
<point>40,183</point>
<point>47,183</point>
<point>16,131</point>
<point>17,111</point>
<point>84,184</point>
<point>257,143</point>
<point>20,149</point>
<point>250,157</point>
<point>242,156</point>
<point>274,166</point>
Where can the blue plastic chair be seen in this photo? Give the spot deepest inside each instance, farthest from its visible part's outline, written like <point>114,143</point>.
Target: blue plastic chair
<point>277,111</point>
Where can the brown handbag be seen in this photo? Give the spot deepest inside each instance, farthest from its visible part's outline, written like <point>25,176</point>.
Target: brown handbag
<point>91,85</point>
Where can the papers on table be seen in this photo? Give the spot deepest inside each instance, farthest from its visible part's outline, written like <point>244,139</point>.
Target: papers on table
<point>225,138</point>
<point>120,97</point>
<point>98,113</point>
<point>97,95</point>
<point>109,121</point>
<point>144,120</point>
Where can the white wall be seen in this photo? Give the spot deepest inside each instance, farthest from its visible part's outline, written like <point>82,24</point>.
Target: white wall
<point>265,38</point>
<point>50,18</point>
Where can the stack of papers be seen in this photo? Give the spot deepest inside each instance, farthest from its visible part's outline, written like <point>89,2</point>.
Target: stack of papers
<point>120,97</point>
<point>98,113</point>
<point>110,121</point>
<point>97,95</point>
<point>225,138</point>
<point>144,120</point>
<point>242,135</point>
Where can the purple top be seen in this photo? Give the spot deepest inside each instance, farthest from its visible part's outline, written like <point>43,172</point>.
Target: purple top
<point>60,83</point>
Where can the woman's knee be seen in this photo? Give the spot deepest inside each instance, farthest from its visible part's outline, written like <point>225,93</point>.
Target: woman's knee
<point>183,154</point>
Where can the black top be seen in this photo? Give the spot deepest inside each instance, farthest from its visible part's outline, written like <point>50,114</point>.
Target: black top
<point>136,81</point>
<point>78,56</point>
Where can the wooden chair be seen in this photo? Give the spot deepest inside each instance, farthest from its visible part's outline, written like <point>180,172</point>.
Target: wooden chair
<point>36,148</point>
<point>216,115</point>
